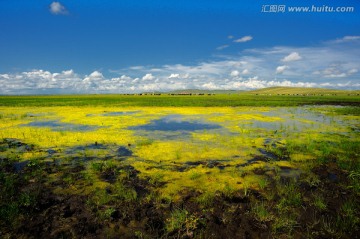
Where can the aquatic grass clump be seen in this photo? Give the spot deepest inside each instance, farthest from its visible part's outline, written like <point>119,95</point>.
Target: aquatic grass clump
<point>124,193</point>
<point>194,175</point>
<point>261,213</point>
<point>183,222</point>
<point>144,142</point>
<point>348,110</point>
<point>99,198</point>
<point>349,219</point>
<point>354,177</point>
<point>263,182</point>
<point>19,192</point>
<point>290,196</point>
<point>206,199</point>
<point>284,223</point>
<point>319,202</point>
<point>106,214</point>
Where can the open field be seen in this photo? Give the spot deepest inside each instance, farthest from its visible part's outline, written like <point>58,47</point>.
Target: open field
<point>100,166</point>
<point>164,100</point>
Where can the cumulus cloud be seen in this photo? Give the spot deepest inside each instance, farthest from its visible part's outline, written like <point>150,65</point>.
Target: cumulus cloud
<point>325,66</point>
<point>57,8</point>
<point>255,83</point>
<point>235,73</point>
<point>40,81</point>
<point>93,81</point>
<point>353,71</point>
<point>243,39</point>
<point>125,78</point>
<point>174,76</point>
<point>209,86</point>
<point>294,56</point>
<point>281,69</point>
<point>245,72</point>
<point>336,71</point>
<point>96,75</point>
<point>148,76</point>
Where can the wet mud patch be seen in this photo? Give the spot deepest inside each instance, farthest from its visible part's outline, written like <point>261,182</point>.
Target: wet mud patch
<point>124,152</point>
<point>95,146</point>
<point>206,164</point>
<point>98,151</point>
<point>268,155</point>
<point>19,166</point>
<point>56,125</point>
<point>220,216</point>
<point>62,217</point>
<point>288,173</point>
<point>255,160</point>
<point>15,144</point>
<point>125,208</point>
<point>11,150</point>
<point>111,174</point>
<point>273,150</point>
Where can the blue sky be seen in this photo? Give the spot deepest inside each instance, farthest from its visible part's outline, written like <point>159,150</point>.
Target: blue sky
<point>133,46</point>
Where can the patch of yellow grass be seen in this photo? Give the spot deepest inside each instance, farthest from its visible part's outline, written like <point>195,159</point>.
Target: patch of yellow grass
<point>159,159</point>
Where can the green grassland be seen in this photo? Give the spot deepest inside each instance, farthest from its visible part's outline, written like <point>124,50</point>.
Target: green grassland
<point>266,97</point>
<point>103,166</point>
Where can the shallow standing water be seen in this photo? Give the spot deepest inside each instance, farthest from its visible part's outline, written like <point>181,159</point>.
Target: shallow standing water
<point>203,148</point>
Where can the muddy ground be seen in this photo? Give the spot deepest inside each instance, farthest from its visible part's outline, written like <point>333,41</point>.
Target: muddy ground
<point>324,206</point>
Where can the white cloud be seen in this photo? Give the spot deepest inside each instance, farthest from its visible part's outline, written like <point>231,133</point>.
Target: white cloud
<point>347,39</point>
<point>38,74</point>
<point>336,71</point>
<point>137,67</point>
<point>36,81</point>
<point>126,78</point>
<point>326,65</point>
<point>174,76</point>
<point>281,69</point>
<point>294,56</point>
<point>222,47</point>
<point>245,72</point>
<point>235,73</point>
<point>96,75</point>
<point>210,86</point>
<point>136,80</point>
<point>186,76</point>
<point>148,76</point>
<point>243,39</point>
<point>5,76</point>
<point>57,8</point>
<point>352,71</point>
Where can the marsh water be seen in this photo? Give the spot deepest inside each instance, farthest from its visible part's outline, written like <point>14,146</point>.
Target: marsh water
<point>172,145</point>
<point>134,171</point>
